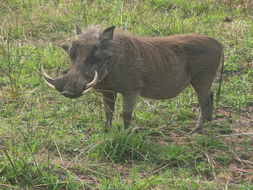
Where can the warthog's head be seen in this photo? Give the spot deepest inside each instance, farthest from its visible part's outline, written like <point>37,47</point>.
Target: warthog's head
<point>91,54</point>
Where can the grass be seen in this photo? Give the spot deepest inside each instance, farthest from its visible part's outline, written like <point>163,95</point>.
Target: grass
<point>50,142</point>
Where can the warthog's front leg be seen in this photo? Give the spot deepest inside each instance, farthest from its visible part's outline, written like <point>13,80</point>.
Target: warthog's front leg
<point>109,103</point>
<point>129,101</point>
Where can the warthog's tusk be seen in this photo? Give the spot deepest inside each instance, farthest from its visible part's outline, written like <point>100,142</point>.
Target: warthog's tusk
<point>90,85</point>
<point>49,80</point>
<point>94,81</point>
<point>87,90</point>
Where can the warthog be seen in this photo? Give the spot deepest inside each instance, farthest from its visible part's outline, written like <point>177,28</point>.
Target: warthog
<point>112,61</point>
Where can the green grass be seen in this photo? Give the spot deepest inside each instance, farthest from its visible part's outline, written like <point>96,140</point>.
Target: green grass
<point>50,142</point>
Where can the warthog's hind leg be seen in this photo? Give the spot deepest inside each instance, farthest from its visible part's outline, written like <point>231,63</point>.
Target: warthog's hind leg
<point>206,110</point>
<point>205,99</point>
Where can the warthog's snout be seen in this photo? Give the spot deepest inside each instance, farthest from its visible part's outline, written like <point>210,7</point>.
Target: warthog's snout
<point>68,87</point>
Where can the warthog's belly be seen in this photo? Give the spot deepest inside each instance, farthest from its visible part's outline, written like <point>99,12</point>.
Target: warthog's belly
<point>163,90</point>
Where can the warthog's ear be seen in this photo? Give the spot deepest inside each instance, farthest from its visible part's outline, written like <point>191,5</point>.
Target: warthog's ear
<point>65,47</point>
<point>78,30</point>
<point>107,34</point>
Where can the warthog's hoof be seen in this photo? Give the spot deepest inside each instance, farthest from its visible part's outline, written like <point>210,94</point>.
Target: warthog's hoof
<point>105,129</point>
<point>196,129</point>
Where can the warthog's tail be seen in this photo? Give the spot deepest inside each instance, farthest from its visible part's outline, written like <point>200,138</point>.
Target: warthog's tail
<point>221,77</point>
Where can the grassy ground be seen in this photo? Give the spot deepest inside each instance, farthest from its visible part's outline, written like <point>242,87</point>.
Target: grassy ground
<point>50,142</point>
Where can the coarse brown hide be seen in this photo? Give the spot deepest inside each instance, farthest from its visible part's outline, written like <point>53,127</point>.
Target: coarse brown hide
<point>112,61</point>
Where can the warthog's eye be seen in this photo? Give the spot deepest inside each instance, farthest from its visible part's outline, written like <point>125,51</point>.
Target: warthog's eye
<point>91,59</point>
<point>96,53</point>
